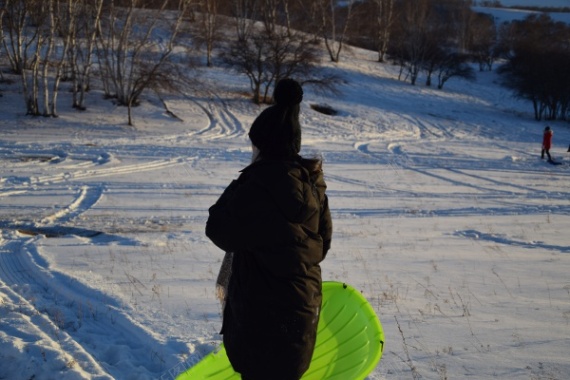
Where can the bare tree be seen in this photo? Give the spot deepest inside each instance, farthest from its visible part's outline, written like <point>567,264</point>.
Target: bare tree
<point>483,40</point>
<point>82,46</point>
<point>33,31</point>
<point>435,55</point>
<point>287,15</point>
<point>249,53</point>
<point>135,43</point>
<point>248,56</point>
<point>422,39</point>
<point>18,38</point>
<point>304,15</point>
<point>412,36</point>
<point>537,64</point>
<point>453,65</point>
<point>2,12</point>
<point>34,25</point>
<point>244,13</point>
<point>334,22</point>
<point>26,32</point>
<point>269,51</point>
<point>460,16</point>
<point>384,21</point>
<point>208,31</point>
<point>45,57</point>
<point>63,26</point>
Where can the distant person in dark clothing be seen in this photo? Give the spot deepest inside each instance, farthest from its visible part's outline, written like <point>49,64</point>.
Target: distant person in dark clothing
<point>547,143</point>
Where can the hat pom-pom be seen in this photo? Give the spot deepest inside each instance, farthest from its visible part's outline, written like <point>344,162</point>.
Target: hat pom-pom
<point>288,92</point>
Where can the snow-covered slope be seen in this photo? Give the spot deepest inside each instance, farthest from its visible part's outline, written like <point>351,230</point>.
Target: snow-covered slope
<point>511,12</point>
<point>445,218</point>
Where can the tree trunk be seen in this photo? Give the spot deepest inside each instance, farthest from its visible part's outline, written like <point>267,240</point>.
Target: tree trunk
<point>47,57</point>
<point>333,41</point>
<point>130,113</point>
<point>69,29</point>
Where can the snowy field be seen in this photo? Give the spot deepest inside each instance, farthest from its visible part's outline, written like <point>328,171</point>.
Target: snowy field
<point>502,15</point>
<point>445,218</point>
<point>507,15</point>
<point>535,3</point>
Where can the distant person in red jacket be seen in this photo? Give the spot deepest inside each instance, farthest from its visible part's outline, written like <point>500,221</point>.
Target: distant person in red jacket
<point>547,143</point>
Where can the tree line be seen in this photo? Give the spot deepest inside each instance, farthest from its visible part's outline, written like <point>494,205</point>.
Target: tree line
<point>537,53</point>
<point>126,47</point>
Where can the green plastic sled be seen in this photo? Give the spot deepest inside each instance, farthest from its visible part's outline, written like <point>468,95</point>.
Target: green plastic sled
<point>350,341</point>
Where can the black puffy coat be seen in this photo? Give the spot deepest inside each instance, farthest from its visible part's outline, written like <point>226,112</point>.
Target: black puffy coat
<point>275,218</point>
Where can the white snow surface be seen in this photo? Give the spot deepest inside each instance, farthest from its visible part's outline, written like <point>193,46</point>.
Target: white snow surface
<point>445,217</point>
<point>535,3</point>
<point>511,13</point>
<point>502,15</point>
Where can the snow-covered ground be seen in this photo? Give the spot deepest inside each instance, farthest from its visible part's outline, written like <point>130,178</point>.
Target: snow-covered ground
<point>535,3</point>
<point>502,15</point>
<point>445,218</point>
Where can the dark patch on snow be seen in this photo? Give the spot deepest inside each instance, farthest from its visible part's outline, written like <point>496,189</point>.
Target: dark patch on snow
<point>324,109</point>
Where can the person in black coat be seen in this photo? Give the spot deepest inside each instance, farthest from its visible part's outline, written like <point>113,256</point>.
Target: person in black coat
<point>276,221</point>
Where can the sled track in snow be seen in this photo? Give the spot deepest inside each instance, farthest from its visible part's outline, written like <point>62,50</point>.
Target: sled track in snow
<point>401,161</point>
<point>87,197</point>
<point>104,172</point>
<point>222,122</point>
<point>457,174</point>
<point>79,173</point>
<point>65,310</point>
<point>69,310</point>
<point>31,320</point>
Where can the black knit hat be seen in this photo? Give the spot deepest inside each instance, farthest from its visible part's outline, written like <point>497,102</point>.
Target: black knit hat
<point>288,92</point>
<point>276,132</point>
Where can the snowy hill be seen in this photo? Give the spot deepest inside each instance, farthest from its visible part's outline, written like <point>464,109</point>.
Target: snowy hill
<point>511,11</point>
<point>445,218</point>
<point>534,3</point>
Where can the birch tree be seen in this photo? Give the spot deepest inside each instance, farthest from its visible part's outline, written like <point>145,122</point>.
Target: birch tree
<point>17,39</point>
<point>82,46</point>
<point>384,21</point>
<point>412,43</point>
<point>31,34</point>
<point>45,54</point>
<point>209,27</point>
<point>244,13</point>
<point>63,21</point>
<point>2,12</point>
<point>334,22</point>
<point>34,29</point>
<point>134,45</point>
